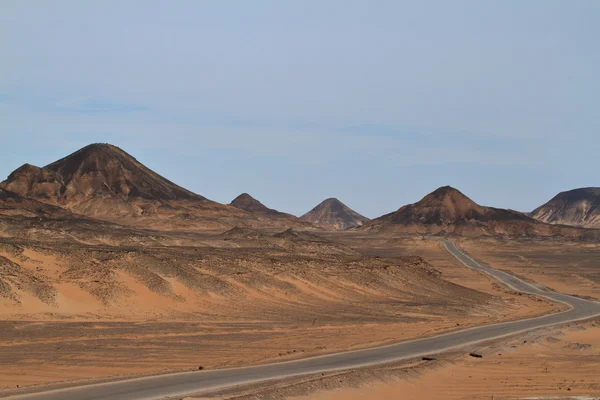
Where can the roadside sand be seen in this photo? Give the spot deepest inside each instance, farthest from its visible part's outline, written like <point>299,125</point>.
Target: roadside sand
<point>567,267</point>
<point>566,365</point>
<point>551,363</point>
<point>43,352</point>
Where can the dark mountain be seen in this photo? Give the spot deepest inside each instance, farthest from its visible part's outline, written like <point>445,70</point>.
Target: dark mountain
<point>333,214</point>
<point>447,210</point>
<point>103,181</point>
<point>97,170</point>
<point>578,207</point>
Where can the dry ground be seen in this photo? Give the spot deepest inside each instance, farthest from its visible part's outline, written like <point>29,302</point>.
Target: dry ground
<point>567,267</point>
<point>558,364</point>
<point>552,363</point>
<point>74,311</point>
<point>451,269</point>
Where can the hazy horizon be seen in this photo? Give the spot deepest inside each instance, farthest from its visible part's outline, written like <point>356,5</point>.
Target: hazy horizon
<point>374,104</point>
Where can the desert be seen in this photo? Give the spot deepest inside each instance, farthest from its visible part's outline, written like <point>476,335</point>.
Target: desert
<point>89,298</point>
<point>295,200</point>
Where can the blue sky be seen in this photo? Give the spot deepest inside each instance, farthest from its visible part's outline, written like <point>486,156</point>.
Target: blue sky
<point>376,103</point>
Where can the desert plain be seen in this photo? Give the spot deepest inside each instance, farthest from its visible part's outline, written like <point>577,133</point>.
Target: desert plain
<point>94,312</point>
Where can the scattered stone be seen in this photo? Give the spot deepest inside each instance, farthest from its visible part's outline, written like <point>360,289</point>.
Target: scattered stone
<point>579,346</point>
<point>428,358</point>
<point>476,355</point>
<point>200,368</point>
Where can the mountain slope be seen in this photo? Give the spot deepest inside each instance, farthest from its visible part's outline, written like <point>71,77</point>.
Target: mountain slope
<point>447,210</point>
<point>332,213</point>
<point>12,204</point>
<point>103,181</point>
<point>578,207</point>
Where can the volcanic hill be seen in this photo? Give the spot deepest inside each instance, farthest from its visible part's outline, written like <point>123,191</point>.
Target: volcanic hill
<point>249,204</point>
<point>103,181</point>
<point>447,210</point>
<point>332,213</point>
<point>578,207</point>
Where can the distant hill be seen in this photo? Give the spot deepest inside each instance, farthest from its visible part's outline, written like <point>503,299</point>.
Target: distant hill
<point>578,207</point>
<point>334,214</point>
<point>248,203</point>
<point>447,210</point>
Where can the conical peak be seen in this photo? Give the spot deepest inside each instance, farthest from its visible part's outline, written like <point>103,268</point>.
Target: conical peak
<point>248,203</point>
<point>105,170</point>
<point>446,195</point>
<point>101,147</point>
<point>333,204</point>
<point>334,214</point>
<point>445,191</point>
<point>96,154</point>
<point>243,197</point>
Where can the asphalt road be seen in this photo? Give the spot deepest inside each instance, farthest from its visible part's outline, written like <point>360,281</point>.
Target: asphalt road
<point>180,384</point>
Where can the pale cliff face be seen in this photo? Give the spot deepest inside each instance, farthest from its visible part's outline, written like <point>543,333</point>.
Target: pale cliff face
<point>578,207</point>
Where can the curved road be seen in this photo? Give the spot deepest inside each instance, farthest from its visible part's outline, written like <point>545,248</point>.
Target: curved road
<point>178,385</point>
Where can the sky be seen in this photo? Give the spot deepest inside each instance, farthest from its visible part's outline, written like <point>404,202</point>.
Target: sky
<point>376,103</point>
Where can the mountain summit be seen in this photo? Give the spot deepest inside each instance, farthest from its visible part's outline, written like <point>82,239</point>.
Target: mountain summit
<point>578,207</point>
<point>332,213</point>
<point>445,205</point>
<point>106,169</point>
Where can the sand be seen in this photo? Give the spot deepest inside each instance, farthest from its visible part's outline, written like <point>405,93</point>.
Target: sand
<point>556,364</point>
<point>128,311</point>
<point>567,267</point>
